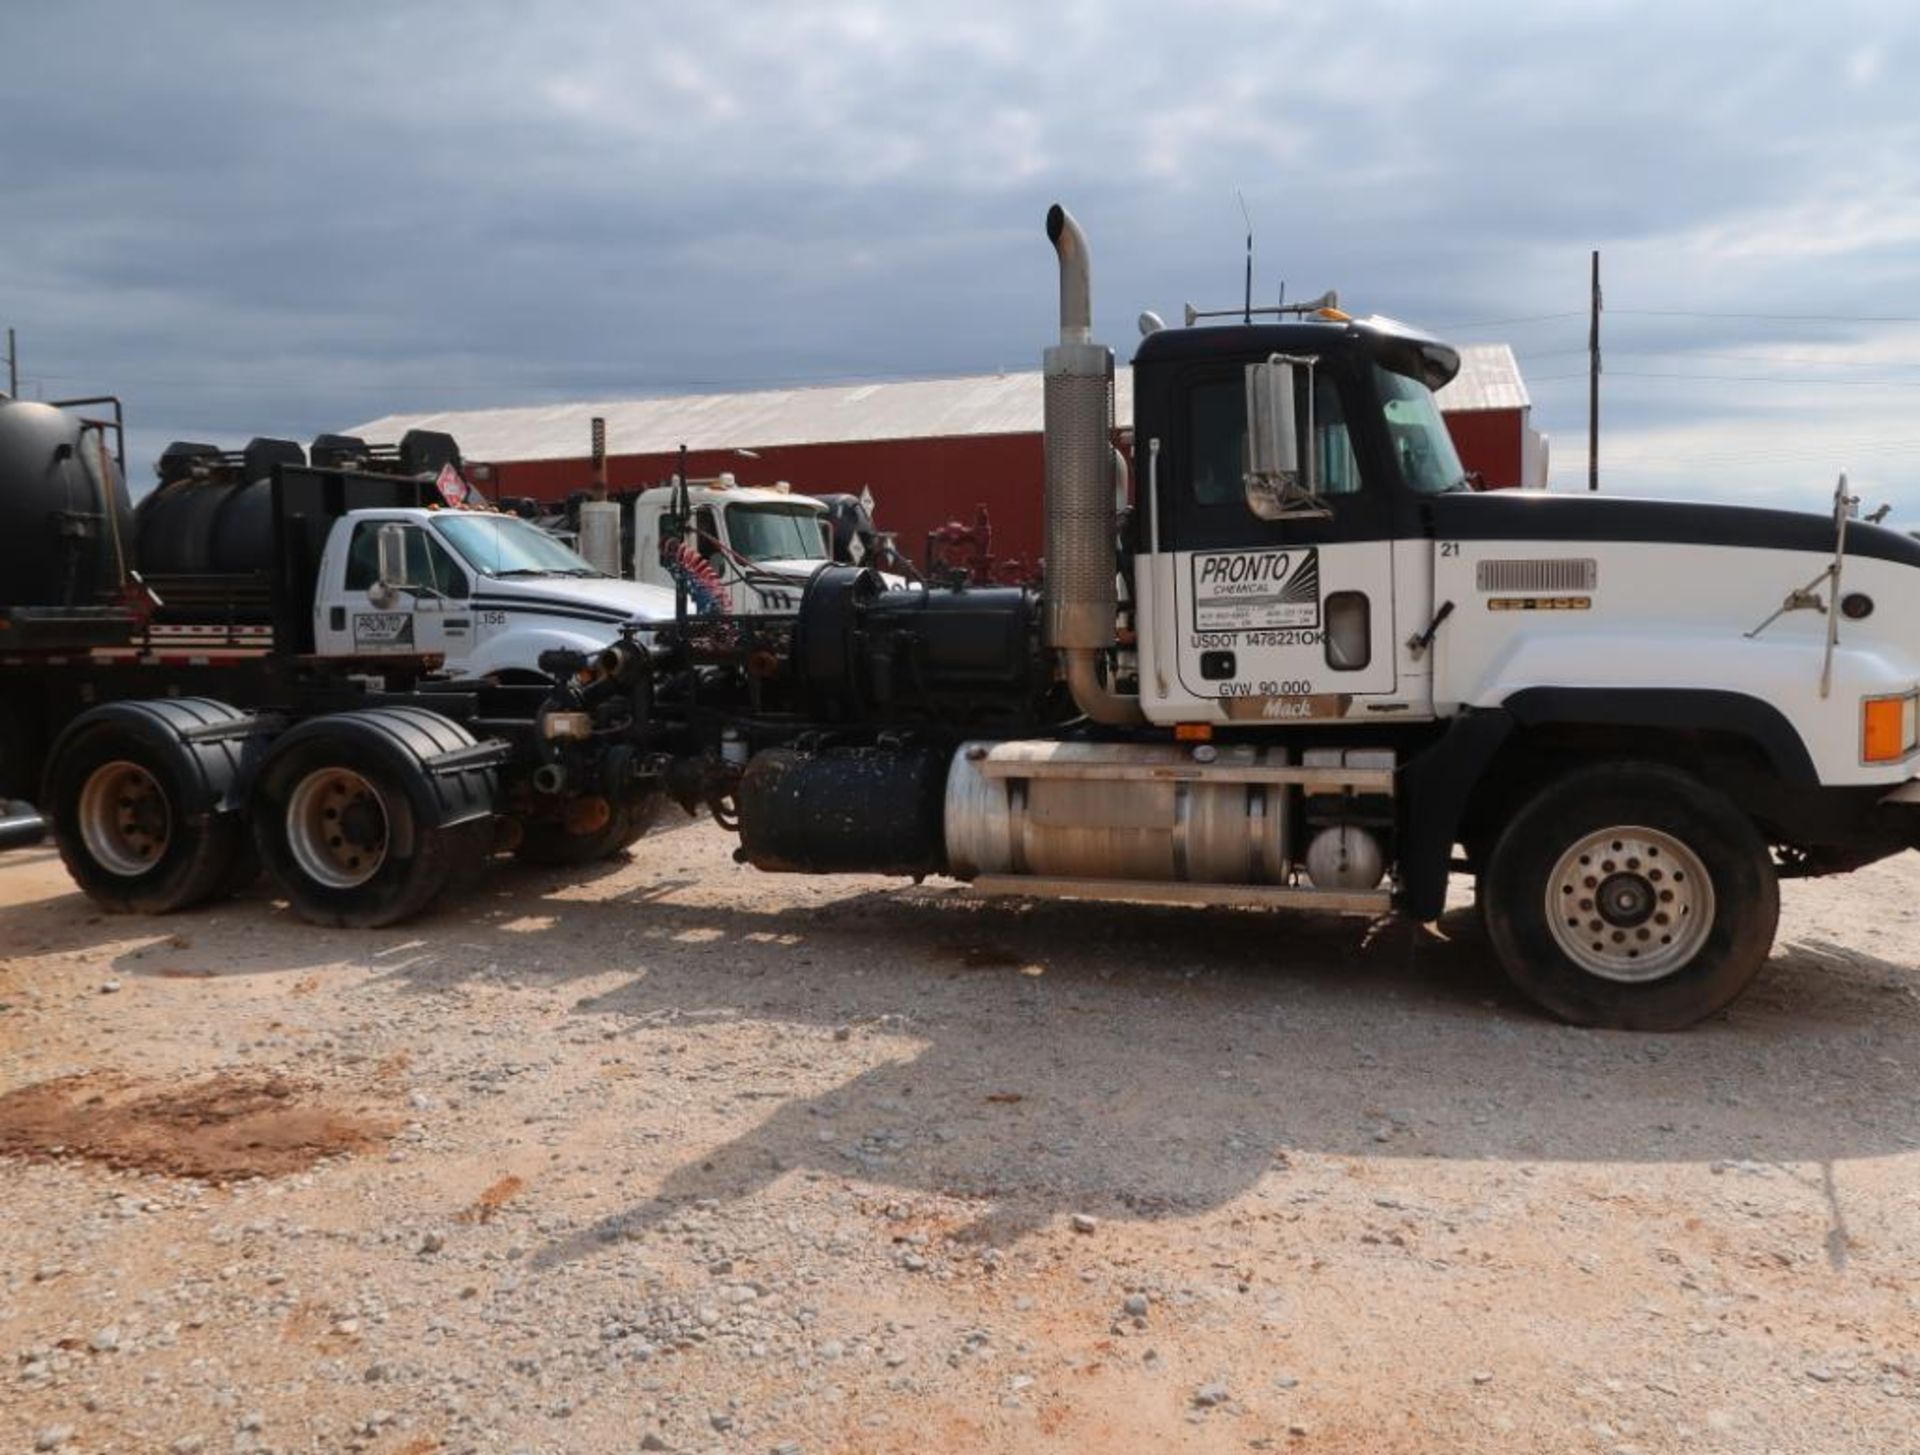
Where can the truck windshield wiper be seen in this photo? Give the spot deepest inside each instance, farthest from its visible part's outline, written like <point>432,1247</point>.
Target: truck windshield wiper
<point>525,571</point>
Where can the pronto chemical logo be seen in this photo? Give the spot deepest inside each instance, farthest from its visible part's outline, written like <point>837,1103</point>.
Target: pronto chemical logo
<point>382,630</point>
<point>1245,591</point>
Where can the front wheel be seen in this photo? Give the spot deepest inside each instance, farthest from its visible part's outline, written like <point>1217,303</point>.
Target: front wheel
<point>1630,896</point>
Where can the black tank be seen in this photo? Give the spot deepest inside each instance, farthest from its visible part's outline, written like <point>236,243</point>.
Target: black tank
<point>65,522</point>
<point>218,519</point>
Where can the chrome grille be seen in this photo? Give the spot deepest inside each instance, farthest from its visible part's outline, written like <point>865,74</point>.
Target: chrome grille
<point>1569,573</point>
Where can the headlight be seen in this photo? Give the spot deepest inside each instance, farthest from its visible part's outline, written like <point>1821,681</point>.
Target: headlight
<point>1889,727</point>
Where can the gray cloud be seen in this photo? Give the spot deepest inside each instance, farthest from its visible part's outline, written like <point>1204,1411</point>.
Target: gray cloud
<point>259,219</point>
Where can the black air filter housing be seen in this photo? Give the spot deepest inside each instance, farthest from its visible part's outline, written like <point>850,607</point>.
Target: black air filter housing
<point>338,451</point>
<point>427,452</point>
<point>864,654</point>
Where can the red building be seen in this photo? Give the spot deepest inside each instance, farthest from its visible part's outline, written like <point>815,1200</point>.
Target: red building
<point>930,450</point>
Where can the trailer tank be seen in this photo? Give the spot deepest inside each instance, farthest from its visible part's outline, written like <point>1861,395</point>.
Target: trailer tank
<point>212,511</point>
<point>65,520</point>
<point>207,517</point>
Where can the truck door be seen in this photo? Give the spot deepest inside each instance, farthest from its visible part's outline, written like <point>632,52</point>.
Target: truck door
<point>646,543</point>
<point>1273,619</point>
<point>431,617</point>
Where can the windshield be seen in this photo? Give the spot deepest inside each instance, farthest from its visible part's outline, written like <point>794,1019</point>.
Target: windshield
<point>1418,434</point>
<point>776,532</point>
<point>505,545</point>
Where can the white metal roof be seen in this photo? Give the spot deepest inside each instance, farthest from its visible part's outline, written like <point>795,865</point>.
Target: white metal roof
<point>1489,378</point>
<point>976,404</point>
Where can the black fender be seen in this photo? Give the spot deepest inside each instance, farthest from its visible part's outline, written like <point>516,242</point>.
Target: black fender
<point>1679,709</point>
<point>451,778</point>
<point>1435,786</point>
<point>217,747</point>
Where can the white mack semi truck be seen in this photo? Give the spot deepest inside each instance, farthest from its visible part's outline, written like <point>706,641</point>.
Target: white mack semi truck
<point>1310,668</point>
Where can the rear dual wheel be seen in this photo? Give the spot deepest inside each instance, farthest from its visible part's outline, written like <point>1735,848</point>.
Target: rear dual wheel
<point>568,842</point>
<point>139,811</point>
<point>1631,896</point>
<point>347,818</point>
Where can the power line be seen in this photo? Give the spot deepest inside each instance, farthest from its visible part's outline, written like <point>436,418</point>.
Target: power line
<point>1799,359</point>
<point>1507,322</point>
<point>1772,317</point>
<point>1731,379</point>
<point>1768,379</point>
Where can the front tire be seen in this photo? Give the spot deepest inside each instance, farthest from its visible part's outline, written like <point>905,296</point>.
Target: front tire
<point>1630,896</point>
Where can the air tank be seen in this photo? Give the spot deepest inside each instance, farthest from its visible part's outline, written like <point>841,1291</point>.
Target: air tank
<point>64,515</point>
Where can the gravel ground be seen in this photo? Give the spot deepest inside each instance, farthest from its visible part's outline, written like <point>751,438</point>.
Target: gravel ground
<point>681,1157</point>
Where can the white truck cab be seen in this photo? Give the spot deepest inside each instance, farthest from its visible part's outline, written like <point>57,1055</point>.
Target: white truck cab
<point>762,544</point>
<point>489,592</point>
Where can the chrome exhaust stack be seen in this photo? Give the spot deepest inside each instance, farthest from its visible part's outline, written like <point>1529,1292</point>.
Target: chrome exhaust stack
<point>1081,604</point>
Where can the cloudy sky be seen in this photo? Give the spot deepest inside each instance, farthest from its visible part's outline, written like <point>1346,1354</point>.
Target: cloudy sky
<point>253,218</point>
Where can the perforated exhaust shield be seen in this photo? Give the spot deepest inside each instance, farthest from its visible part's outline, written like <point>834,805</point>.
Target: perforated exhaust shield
<point>1080,515</point>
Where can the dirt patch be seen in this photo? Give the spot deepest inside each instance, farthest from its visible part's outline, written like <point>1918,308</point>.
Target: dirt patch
<point>493,1199</point>
<point>220,1128</point>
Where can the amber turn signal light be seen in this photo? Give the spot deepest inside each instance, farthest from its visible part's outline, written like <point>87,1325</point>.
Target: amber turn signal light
<point>1888,728</point>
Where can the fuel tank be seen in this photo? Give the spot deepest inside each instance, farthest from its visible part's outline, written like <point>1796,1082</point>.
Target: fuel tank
<point>1116,811</point>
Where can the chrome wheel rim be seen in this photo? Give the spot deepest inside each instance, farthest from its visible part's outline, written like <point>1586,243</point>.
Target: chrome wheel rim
<point>337,828</point>
<point>125,820</point>
<point>1630,904</point>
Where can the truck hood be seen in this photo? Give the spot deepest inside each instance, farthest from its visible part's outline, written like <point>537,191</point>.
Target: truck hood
<point>797,571</point>
<point>803,571</point>
<point>600,599</point>
<point>1539,515</point>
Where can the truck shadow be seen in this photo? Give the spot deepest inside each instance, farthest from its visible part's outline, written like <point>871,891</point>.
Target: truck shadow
<point>1039,1058</point>
<point>1036,1059</point>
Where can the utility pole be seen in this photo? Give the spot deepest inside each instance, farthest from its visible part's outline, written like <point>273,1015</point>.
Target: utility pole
<point>13,368</point>
<point>1593,380</point>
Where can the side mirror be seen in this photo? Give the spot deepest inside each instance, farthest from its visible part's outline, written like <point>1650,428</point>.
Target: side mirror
<point>1273,438</point>
<point>1276,485</point>
<point>391,577</point>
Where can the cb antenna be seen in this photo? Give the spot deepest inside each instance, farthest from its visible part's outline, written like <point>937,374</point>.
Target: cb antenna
<point>1247,314</point>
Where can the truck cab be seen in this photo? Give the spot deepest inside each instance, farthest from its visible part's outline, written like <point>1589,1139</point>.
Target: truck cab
<point>489,592</point>
<point>1299,599</point>
<point>760,544</point>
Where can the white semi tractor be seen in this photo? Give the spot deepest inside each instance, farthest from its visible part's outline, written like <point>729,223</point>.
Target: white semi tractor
<point>1309,668</point>
<point>759,544</point>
